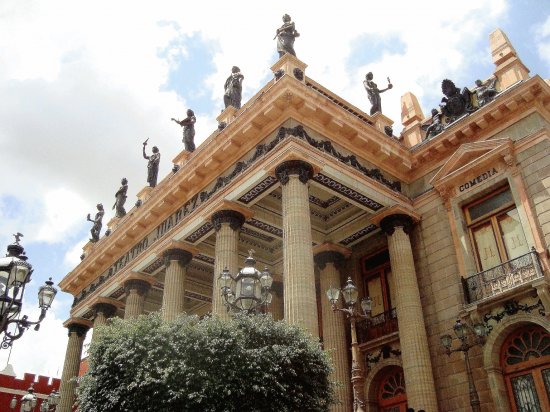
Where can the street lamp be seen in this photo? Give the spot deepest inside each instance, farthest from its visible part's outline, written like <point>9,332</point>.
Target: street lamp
<point>28,401</point>
<point>350,293</point>
<point>462,331</point>
<point>50,404</point>
<point>247,291</point>
<point>15,274</point>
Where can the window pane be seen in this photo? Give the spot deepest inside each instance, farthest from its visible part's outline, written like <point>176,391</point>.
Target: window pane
<point>391,286</point>
<point>375,292</point>
<point>512,234</point>
<point>490,205</point>
<point>525,394</point>
<point>546,377</point>
<point>486,246</point>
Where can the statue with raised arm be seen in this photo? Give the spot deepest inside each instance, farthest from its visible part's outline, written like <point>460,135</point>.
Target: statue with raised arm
<point>233,89</point>
<point>120,196</point>
<point>374,93</point>
<point>285,35</point>
<point>485,92</point>
<point>97,223</point>
<point>152,165</point>
<point>188,125</point>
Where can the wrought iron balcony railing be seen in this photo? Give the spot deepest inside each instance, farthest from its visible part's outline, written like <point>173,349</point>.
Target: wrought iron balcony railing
<point>502,278</point>
<point>377,326</point>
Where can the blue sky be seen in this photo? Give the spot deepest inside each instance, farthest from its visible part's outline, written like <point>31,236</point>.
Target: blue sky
<point>84,83</point>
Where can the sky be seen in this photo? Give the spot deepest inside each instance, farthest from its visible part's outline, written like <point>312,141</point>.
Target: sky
<point>83,84</point>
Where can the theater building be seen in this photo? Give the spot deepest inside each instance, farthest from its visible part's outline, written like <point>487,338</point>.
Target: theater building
<point>450,220</point>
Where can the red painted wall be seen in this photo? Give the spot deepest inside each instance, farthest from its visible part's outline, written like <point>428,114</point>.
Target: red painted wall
<point>43,386</point>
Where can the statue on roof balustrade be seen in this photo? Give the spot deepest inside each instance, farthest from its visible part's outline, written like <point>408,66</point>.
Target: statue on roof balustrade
<point>285,35</point>
<point>455,103</point>
<point>152,164</point>
<point>374,93</point>
<point>485,91</point>
<point>120,197</point>
<point>435,127</point>
<point>188,125</point>
<point>233,89</point>
<point>97,223</point>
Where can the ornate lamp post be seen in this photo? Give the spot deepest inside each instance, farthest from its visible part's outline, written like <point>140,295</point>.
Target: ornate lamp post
<point>247,291</point>
<point>28,401</point>
<point>15,273</point>
<point>462,331</point>
<point>350,294</point>
<point>51,403</point>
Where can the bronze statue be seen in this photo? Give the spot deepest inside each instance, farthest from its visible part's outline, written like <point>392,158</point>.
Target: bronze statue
<point>120,196</point>
<point>435,127</point>
<point>188,125</point>
<point>97,223</point>
<point>456,103</point>
<point>485,92</point>
<point>152,165</point>
<point>233,89</point>
<point>285,35</point>
<point>374,93</point>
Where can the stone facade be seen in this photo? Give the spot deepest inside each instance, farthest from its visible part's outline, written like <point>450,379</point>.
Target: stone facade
<point>302,177</point>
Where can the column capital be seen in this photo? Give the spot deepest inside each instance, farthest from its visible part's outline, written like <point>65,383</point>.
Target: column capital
<point>234,218</point>
<point>107,309</point>
<point>179,251</point>
<point>389,223</point>
<point>140,285</point>
<point>330,253</point>
<point>78,325</point>
<point>294,167</point>
<point>328,256</point>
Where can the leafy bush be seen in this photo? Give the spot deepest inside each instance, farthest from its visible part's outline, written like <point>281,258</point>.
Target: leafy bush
<point>249,363</point>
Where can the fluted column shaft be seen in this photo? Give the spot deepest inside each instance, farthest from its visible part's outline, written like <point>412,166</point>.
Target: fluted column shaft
<point>298,271</point>
<point>227,224</point>
<point>415,354</point>
<point>334,335</point>
<point>277,306</point>
<point>176,261</point>
<point>77,334</point>
<point>136,290</point>
<point>103,311</point>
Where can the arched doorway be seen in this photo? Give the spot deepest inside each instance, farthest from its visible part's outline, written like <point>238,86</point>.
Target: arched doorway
<point>525,361</point>
<point>392,396</point>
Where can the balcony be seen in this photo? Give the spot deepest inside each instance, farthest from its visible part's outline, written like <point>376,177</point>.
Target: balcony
<point>377,326</point>
<point>502,278</point>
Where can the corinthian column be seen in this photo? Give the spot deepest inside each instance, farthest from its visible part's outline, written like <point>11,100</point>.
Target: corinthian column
<point>227,224</point>
<point>136,290</point>
<point>176,261</point>
<point>334,334</point>
<point>298,274</point>
<point>77,334</point>
<point>417,365</point>
<point>102,311</point>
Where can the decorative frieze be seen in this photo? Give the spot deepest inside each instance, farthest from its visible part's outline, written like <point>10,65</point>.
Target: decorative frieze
<point>345,191</point>
<point>358,235</point>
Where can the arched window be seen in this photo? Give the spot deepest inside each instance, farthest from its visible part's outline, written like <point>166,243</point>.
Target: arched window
<point>525,360</point>
<point>392,396</point>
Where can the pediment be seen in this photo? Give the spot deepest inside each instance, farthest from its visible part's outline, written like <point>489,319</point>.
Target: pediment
<point>472,157</point>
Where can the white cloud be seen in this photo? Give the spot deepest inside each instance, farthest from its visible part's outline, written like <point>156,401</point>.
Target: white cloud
<point>72,256</point>
<point>542,41</point>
